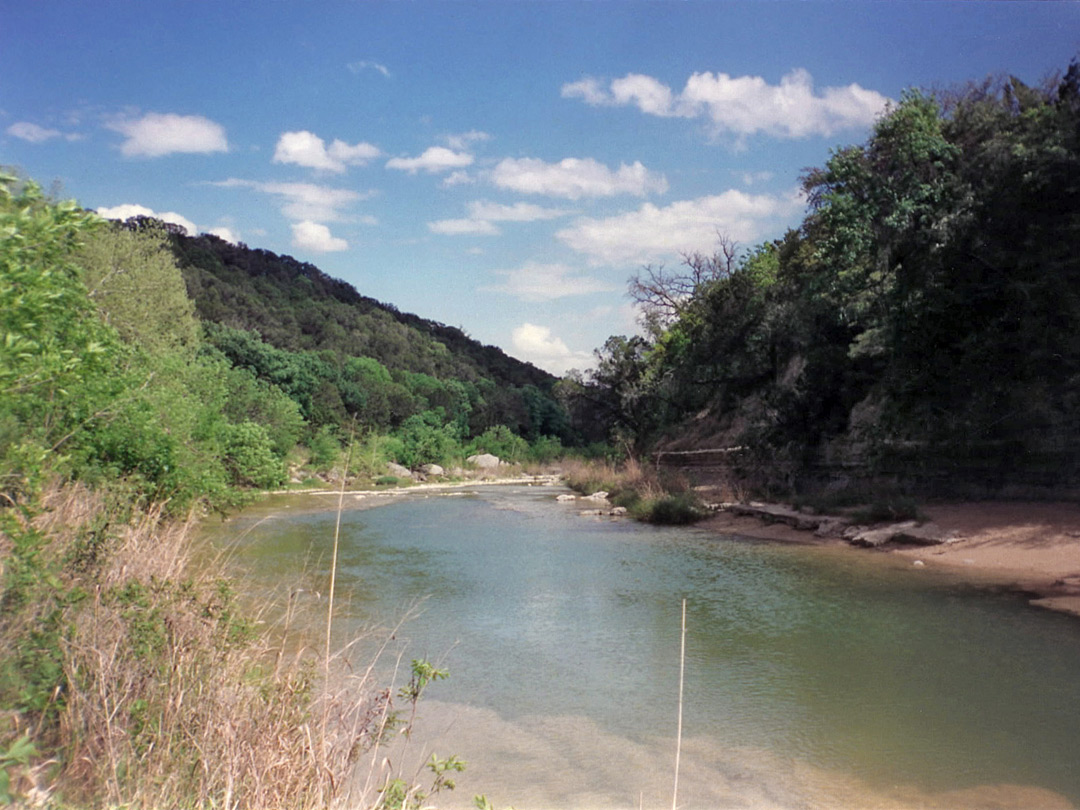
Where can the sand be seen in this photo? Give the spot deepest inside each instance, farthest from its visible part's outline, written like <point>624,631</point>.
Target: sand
<point>1032,547</point>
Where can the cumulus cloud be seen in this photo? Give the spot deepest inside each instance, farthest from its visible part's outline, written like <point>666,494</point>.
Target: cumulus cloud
<point>463,227</point>
<point>303,201</point>
<point>35,134</point>
<point>547,282</point>
<point>537,345</point>
<point>128,210</point>
<point>742,105</point>
<point>574,178</point>
<point>228,234</point>
<point>308,149</point>
<point>433,160</point>
<point>315,236</point>
<point>652,232</point>
<point>159,134</point>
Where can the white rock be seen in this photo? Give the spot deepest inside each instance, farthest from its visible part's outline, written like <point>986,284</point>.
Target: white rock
<point>485,461</point>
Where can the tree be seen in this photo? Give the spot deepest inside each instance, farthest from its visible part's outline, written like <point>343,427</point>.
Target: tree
<point>137,287</point>
<point>663,296</point>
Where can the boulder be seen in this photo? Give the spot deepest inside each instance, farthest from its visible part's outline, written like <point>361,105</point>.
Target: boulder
<point>596,496</point>
<point>398,471</point>
<point>910,532</point>
<point>432,469</point>
<point>484,461</point>
<point>566,497</point>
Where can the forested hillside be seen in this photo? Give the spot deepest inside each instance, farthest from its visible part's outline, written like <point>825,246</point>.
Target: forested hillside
<point>923,323</point>
<point>345,357</point>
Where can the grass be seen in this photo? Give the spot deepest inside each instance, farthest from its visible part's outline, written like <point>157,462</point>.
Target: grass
<point>648,495</point>
<point>139,682</point>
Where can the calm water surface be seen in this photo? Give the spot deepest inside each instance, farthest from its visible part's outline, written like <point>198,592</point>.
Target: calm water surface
<point>813,676</point>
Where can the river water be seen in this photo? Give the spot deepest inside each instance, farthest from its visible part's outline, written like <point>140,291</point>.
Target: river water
<point>814,677</point>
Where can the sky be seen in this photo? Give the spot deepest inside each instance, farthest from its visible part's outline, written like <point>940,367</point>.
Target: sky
<point>504,167</point>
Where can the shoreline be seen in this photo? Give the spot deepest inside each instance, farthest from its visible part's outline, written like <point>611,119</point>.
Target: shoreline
<point>1031,548</point>
<point>1028,547</point>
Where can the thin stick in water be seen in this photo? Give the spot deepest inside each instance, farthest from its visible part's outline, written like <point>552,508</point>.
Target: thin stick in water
<point>678,733</point>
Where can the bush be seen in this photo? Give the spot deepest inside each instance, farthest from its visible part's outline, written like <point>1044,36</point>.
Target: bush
<point>325,448</point>
<point>671,510</point>
<point>249,457</point>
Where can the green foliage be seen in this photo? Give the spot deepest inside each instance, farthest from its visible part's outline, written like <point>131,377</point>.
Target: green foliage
<point>500,441</point>
<point>56,356</point>
<point>325,448</point>
<point>135,284</point>
<point>249,457</point>
<point>423,673</point>
<point>672,510</point>
<point>924,317</point>
<point>427,439</point>
<point>16,755</point>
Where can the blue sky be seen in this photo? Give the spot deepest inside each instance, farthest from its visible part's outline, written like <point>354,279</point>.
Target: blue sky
<point>499,166</point>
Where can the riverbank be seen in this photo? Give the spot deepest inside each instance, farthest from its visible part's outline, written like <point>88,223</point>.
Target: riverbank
<point>1030,547</point>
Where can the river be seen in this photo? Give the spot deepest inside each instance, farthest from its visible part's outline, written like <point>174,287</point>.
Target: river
<point>814,676</point>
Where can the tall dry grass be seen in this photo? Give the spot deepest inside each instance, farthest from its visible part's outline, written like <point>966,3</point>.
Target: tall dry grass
<point>655,496</point>
<point>169,698</point>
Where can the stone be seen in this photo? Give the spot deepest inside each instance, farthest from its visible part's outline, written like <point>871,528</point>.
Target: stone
<point>909,532</point>
<point>596,496</point>
<point>398,471</point>
<point>484,461</point>
<point>566,497</point>
<point>432,469</point>
<point>831,527</point>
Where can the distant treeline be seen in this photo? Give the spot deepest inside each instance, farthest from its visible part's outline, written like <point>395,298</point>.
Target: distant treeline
<point>923,322</point>
<point>186,368</point>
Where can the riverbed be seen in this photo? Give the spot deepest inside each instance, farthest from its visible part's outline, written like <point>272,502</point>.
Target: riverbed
<point>814,677</point>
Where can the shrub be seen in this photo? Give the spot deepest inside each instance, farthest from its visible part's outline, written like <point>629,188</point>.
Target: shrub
<point>671,510</point>
<point>250,458</point>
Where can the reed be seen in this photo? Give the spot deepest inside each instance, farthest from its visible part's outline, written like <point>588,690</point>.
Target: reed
<point>166,695</point>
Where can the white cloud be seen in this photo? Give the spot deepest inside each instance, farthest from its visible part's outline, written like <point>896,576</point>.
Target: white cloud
<point>547,282</point>
<point>463,227</point>
<point>458,178</point>
<point>464,140</point>
<point>537,345</point>
<point>434,159</point>
<point>365,64</point>
<point>518,212</point>
<point>228,234</point>
<point>589,90</point>
<point>32,132</point>
<point>128,210</point>
<point>308,149</point>
<point>314,236</point>
<point>303,201</point>
<point>649,95</point>
<point>158,134</point>
<point>652,233</point>
<point>574,178</point>
<point>743,105</point>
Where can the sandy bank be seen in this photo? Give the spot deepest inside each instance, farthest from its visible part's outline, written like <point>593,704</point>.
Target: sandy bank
<point>1028,546</point>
